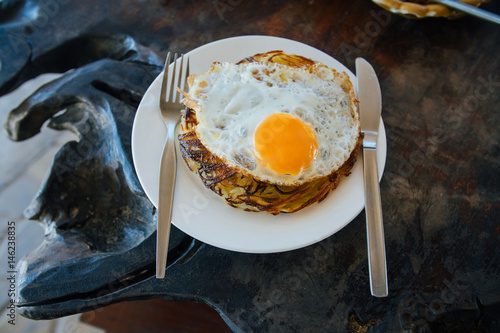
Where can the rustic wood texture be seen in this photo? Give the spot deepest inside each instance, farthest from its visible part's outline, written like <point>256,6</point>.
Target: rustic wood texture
<point>156,316</point>
<point>440,82</point>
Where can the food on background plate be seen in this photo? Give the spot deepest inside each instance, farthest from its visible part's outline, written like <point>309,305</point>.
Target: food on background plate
<point>274,132</point>
<point>424,8</point>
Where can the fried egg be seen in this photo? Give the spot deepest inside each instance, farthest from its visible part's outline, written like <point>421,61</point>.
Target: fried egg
<point>278,124</point>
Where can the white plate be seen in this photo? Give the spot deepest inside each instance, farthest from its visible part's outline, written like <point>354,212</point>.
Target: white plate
<point>201,213</point>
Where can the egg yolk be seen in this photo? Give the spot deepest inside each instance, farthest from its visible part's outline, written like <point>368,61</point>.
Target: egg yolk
<point>285,144</point>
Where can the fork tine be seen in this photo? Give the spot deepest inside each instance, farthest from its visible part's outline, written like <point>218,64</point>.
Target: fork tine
<point>185,76</point>
<point>164,83</point>
<point>171,92</point>
<point>177,96</point>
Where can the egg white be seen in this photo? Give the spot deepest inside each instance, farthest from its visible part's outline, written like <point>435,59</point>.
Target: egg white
<point>232,100</point>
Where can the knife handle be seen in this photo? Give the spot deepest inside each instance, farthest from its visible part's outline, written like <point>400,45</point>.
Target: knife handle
<point>168,173</point>
<point>374,225</point>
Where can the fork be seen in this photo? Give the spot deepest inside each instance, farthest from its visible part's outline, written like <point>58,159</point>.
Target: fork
<point>170,111</point>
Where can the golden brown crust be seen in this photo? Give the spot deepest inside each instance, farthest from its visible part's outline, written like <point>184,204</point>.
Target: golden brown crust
<point>424,8</point>
<point>245,192</point>
<point>279,57</point>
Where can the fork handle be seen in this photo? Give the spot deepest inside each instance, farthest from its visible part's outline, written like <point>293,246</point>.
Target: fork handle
<point>168,173</point>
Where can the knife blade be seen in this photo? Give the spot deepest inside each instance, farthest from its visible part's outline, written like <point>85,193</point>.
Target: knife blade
<point>370,109</point>
<point>471,10</point>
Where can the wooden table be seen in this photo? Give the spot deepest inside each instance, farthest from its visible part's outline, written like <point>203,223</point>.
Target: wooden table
<point>440,82</point>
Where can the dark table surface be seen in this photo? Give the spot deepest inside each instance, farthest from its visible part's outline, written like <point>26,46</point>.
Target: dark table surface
<point>440,82</point>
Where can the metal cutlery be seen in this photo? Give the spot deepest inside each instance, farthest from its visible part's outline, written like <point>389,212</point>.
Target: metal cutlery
<point>370,108</point>
<point>170,111</point>
<point>471,10</point>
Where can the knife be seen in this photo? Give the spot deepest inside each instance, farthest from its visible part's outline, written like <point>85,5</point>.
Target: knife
<point>471,10</point>
<point>370,108</point>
